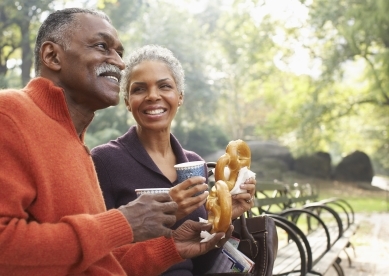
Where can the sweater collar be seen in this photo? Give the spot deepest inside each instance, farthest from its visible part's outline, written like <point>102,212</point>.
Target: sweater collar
<point>49,97</point>
<point>51,100</point>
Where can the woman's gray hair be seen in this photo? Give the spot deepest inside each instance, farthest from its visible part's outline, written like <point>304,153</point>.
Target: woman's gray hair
<point>153,53</point>
<point>57,28</point>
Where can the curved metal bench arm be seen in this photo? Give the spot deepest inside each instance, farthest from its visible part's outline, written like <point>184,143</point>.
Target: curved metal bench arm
<point>294,233</point>
<point>343,205</point>
<point>336,216</point>
<point>310,213</point>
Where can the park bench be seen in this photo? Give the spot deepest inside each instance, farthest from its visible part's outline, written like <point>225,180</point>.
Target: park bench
<point>315,232</point>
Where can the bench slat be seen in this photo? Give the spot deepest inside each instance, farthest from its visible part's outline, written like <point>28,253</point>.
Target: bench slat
<point>330,257</point>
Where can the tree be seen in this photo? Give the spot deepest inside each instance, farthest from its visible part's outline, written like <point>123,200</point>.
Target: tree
<point>18,22</point>
<point>243,52</point>
<point>345,107</point>
<point>178,30</point>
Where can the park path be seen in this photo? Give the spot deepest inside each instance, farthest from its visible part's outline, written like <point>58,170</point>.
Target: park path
<point>371,247</point>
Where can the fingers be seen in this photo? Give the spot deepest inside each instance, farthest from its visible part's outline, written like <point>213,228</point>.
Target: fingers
<point>163,197</point>
<point>219,239</point>
<point>197,226</point>
<point>150,216</point>
<point>169,221</point>
<point>168,233</point>
<point>251,180</point>
<point>187,239</point>
<point>249,187</point>
<point>190,182</point>
<point>189,199</point>
<point>167,207</point>
<point>243,197</point>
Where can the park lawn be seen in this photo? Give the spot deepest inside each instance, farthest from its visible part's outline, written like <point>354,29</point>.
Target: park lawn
<point>364,204</point>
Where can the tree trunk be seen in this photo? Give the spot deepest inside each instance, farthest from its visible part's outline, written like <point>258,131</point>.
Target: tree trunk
<point>27,54</point>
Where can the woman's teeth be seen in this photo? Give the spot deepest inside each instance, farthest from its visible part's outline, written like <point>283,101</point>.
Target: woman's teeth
<point>155,111</point>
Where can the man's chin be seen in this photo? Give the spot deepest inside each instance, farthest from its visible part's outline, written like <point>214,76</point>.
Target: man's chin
<point>113,101</point>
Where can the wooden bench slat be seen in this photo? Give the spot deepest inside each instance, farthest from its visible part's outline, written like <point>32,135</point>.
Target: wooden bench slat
<point>330,257</point>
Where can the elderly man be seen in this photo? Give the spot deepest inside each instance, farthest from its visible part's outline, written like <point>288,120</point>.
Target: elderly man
<point>52,215</point>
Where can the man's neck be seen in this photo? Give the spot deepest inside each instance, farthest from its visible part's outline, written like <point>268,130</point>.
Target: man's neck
<point>80,119</point>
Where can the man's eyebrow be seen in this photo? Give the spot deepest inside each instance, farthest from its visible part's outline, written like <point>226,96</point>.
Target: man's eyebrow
<point>110,38</point>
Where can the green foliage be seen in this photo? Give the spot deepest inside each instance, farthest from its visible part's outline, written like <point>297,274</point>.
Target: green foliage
<point>107,125</point>
<point>202,139</point>
<point>239,81</point>
<point>242,47</point>
<point>344,107</point>
<point>17,34</point>
<point>122,13</point>
<point>182,34</point>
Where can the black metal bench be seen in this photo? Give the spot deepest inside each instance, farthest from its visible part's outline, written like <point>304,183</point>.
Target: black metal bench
<point>315,232</point>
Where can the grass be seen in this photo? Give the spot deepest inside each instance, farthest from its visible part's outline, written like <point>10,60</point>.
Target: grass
<point>368,205</point>
<point>363,197</point>
<point>362,200</point>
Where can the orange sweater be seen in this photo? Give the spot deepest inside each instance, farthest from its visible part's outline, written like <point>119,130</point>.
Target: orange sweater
<point>52,215</point>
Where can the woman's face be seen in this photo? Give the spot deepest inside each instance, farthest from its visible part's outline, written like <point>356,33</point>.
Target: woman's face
<point>153,97</point>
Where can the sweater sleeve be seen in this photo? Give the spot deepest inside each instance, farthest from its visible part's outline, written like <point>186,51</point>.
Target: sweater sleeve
<point>70,242</point>
<point>150,257</point>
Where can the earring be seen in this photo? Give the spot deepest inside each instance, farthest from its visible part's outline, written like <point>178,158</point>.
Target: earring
<point>179,103</point>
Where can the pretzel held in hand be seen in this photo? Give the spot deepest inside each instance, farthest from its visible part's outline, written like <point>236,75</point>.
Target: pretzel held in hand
<point>219,203</point>
<point>237,156</point>
<point>219,207</point>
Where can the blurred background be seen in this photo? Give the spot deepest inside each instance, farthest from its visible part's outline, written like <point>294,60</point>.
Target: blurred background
<point>306,83</point>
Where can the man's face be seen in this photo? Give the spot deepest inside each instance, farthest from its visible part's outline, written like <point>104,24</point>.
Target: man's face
<point>87,75</point>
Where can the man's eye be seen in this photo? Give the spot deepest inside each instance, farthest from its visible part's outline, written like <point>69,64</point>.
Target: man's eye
<point>102,46</point>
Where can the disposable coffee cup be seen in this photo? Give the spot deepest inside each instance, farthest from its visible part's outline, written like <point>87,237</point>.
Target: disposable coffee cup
<point>140,192</point>
<point>189,169</point>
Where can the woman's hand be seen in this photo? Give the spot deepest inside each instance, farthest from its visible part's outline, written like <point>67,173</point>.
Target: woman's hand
<point>244,201</point>
<point>184,194</point>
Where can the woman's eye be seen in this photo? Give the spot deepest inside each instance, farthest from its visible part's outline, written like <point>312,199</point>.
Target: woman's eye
<point>166,86</point>
<point>137,90</point>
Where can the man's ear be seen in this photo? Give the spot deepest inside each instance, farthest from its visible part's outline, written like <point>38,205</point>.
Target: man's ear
<point>50,55</point>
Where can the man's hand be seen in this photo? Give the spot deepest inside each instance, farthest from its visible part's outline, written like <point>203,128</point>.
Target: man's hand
<point>184,195</point>
<point>187,239</point>
<point>150,216</point>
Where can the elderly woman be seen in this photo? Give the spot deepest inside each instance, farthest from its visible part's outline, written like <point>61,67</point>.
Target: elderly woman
<point>144,157</point>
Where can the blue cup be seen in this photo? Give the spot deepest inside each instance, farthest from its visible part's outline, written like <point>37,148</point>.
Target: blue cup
<point>190,169</point>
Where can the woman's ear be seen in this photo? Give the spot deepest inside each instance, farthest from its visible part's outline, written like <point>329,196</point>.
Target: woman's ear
<point>180,99</point>
<point>127,105</point>
<point>50,55</point>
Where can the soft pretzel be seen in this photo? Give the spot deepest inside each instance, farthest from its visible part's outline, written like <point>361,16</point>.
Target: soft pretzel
<point>237,156</point>
<point>219,203</point>
<point>219,207</point>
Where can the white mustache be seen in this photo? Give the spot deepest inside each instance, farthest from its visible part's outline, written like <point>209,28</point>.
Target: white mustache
<point>106,67</point>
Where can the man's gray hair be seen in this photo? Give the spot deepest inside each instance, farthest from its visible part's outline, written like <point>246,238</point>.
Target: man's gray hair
<point>153,53</point>
<point>58,27</point>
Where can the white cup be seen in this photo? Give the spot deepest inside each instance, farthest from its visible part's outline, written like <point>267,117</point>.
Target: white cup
<point>140,192</point>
